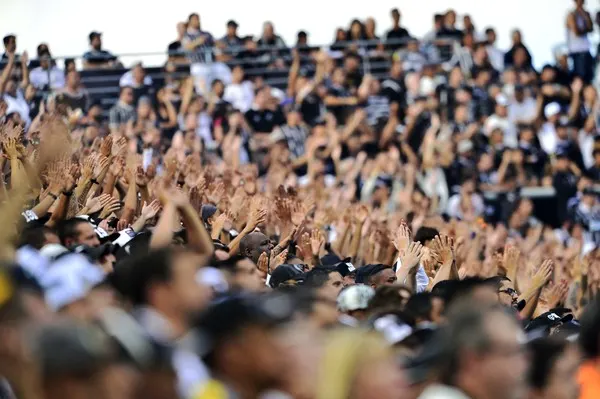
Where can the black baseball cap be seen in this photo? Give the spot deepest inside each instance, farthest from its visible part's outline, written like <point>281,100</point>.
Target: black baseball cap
<point>231,22</point>
<point>544,322</point>
<point>285,273</point>
<point>364,272</point>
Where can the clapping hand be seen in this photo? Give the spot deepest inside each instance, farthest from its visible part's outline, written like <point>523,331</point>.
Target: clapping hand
<point>412,256</point>
<point>444,246</point>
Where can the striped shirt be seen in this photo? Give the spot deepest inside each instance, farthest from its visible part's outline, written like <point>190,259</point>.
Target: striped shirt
<point>295,137</point>
<point>120,113</point>
<point>201,53</point>
<point>378,109</point>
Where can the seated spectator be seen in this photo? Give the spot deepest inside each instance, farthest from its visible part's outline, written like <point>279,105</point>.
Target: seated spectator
<point>395,36</point>
<point>371,34</point>
<point>449,29</point>
<point>411,57</point>
<point>47,75</point>
<point>137,79</point>
<point>275,46</point>
<point>74,95</point>
<point>123,111</point>
<point>517,43</point>
<point>96,57</point>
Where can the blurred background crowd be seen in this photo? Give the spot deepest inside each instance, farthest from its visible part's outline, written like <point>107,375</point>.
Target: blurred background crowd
<point>383,217</point>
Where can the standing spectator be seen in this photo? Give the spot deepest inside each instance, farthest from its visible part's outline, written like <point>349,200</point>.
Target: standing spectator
<point>175,49</point>
<point>294,133</point>
<point>495,55</point>
<point>47,75</point>
<point>123,111</point>
<point>198,44</point>
<point>271,43</point>
<point>10,46</point>
<point>500,119</point>
<point>394,37</point>
<point>96,57</point>
<point>14,94</point>
<point>231,39</point>
<point>579,24</point>
<point>370,33</point>
<point>523,110</point>
<point>517,44</point>
<point>449,29</point>
<point>137,79</point>
<point>74,96</point>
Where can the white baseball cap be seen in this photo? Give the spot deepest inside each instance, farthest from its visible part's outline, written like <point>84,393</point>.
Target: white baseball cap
<point>551,109</point>
<point>355,297</point>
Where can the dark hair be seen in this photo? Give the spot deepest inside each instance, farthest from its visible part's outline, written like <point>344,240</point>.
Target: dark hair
<point>425,234</point>
<point>192,15</point>
<point>229,264</point>
<point>387,297</point>
<point>419,306</point>
<point>544,353</point>
<point>138,273</point>
<point>34,236</point>
<point>589,335</point>
<point>496,281</point>
<point>318,276</point>
<point>466,331</point>
<point>8,38</point>
<point>67,229</point>
<point>489,30</point>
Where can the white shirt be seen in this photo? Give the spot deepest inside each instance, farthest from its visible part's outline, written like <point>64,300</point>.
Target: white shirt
<point>496,57</point>
<point>509,129</point>
<point>39,77</point>
<point>127,80</point>
<point>522,112</point>
<point>455,211</point>
<point>240,95</point>
<point>547,138</point>
<point>586,145</point>
<point>421,277</point>
<point>18,104</point>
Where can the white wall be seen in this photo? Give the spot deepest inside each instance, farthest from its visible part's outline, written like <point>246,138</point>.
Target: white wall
<point>134,26</point>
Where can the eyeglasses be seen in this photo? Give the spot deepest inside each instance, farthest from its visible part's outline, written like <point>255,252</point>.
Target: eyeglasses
<point>509,291</point>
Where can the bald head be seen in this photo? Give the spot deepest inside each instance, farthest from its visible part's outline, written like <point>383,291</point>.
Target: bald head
<point>254,244</point>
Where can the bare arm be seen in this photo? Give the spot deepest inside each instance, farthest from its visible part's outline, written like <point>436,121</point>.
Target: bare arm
<point>6,73</point>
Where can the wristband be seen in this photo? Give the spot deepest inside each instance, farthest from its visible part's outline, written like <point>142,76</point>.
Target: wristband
<point>55,197</point>
<point>67,193</point>
<point>93,181</point>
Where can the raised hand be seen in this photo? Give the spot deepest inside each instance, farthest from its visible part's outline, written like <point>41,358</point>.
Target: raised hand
<point>401,239</point>
<point>106,146</point>
<point>215,193</point>
<point>94,204</point>
<point>361,214</point>
<point>256,217</point>
<point>543,275</point>
<point>412,255</point>
<point>150,210</point>
<point>511,259</point>
<point>303,247</point>
<point>263,263</point>
<point>279,259</point>
<point>141,179</point>
<point>316,241</point>
<point>112,206</point>
<point>444,246</point>
<point>100,166</point>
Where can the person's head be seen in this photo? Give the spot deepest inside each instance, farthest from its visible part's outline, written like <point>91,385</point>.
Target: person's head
<point>144,108</point>
<point>75,231</point>
<point>356,31</point>
<point>552,369</point>
<point>232,28</point>
<point>194,21</point>
<point>243,274</point>
<point>589,335</point>
<point>579,3</point>
<point>339,76</point>
<point>246,342</point>
<point>375,275</point>
<point>237,74</point>
<point>481,352</point>
<point>10,43</point>
<point>268,30</point>
<point>450,18</point>
<point>485,163</point>
<point>370,27</point>
<point>425,235</point>
<point>438,21</point>
<point>425,307</point>
<point>218,88</point>
<point>73,80</point>
<point>596,155</point>
<point>354,300</point>
<point>126,95</point>
<point>507,295</point>
<point>138,73</point>
<point>516,37</point>
<point>302,38</point>
<point>395,13</point>
<point>38,236</point>
<point>326,281</point>
<point>255,244</point>
<point>262,96</point>
<point>95,40</point>
<point>358,364</point>
<point>166,280</point>
<point>389,297</point>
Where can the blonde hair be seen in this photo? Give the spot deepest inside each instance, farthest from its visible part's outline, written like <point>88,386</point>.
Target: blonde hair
<point>344,353</point>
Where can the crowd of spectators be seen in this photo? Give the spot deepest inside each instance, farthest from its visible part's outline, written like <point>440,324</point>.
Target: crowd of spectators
<point>430,232</point>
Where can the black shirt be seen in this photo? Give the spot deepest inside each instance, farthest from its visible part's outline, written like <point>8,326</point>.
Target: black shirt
<point>339,111</point>
<point>264,121</point>
<point>312,109</point>
<point>394,37</point>
<point>98,57</point>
